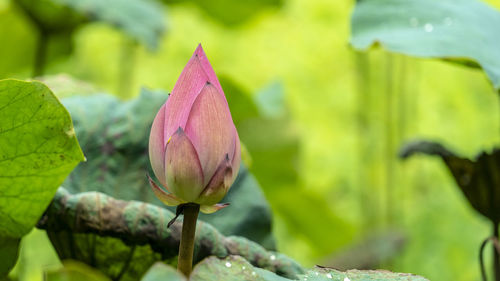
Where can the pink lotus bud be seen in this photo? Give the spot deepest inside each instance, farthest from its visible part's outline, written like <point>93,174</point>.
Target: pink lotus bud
<point>194,148</point>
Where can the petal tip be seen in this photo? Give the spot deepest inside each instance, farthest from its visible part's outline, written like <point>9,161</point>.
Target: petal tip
<point>199,50</point>
<point>209,209</point>
<point>167,198</point>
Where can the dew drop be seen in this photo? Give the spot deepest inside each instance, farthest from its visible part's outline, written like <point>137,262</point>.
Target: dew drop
<point>228,264</point>
<point>329,276</point>
<point>272,257</point>
<point>428,27</point>
<point>414,22</point>
<point>447,21</point>
<point>243,267</point>
<point>316,273</point>
<point>253,273</point>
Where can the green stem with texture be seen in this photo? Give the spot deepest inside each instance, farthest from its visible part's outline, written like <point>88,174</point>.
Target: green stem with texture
<point>186,247</point>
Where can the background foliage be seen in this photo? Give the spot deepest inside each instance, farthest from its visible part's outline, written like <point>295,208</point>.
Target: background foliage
<point>326,155</point>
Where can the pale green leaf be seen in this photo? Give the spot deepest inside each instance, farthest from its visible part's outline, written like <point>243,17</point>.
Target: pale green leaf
<point>460,30</point>
<point>38,149</point>
<point>162,272</point>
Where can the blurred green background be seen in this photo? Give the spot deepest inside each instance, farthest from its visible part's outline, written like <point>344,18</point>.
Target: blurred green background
<point>328,164</point>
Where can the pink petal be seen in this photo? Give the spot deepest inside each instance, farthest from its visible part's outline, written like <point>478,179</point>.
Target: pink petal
<point>167,198</point>
<point>193,78</point>
<point>211,130</point>
<point>208,68</point>
<point>183,170</point>
<point>219,184</point>
<point>235,163</point>
<point>209,209</point>
<point>157,146</point>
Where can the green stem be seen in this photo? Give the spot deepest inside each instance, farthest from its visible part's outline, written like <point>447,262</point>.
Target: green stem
<point>186,247</point>
<point>496,258</point>
<point>40,53</point>
<point>389,145</point>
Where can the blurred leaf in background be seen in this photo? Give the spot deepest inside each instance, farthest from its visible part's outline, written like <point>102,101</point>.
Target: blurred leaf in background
<point>229,12</point>
<point>462,30</point>
<point>75,271</point>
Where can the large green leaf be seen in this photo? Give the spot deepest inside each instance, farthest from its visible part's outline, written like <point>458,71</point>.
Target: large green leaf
<point>449,29</point>
<point>114,136</point>
<point>236,268</point>
<point>124,238</point>
<point>38,149</point>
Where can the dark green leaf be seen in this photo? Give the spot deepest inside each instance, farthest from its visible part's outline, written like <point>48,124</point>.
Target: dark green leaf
<point>9,251</point>
<point>124,238</point>
<point>50,17</point>
<point>478,179</point>
<point>462,30</point>
<point>38,149</point>
<point>140,19</point>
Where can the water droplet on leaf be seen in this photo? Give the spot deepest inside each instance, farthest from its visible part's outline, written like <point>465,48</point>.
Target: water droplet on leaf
<point>428,27</point>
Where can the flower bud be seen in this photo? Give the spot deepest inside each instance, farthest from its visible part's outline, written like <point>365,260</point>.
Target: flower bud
<point>194,147</point>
